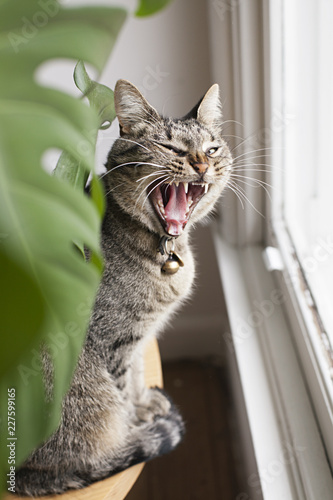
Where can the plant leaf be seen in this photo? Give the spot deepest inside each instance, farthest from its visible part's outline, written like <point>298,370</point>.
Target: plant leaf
<point>17,287</point>
<point>71,171</point>
<point>101,100</point>
<point>148,7</point>
<point>42,215</point>
<point>100,97</point>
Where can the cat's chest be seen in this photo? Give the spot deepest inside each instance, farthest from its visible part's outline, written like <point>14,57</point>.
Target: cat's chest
<point>137,281</point>
<point>178,285</point>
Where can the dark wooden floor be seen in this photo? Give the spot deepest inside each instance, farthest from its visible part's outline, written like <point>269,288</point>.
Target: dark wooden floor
<point>202,467</point>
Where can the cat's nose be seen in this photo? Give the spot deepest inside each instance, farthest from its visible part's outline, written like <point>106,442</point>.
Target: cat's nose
<point>201,168</point>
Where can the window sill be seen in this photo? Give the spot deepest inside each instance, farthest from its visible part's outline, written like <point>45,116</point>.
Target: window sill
<point>289,457</point>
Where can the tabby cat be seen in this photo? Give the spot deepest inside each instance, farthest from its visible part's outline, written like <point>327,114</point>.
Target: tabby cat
<point>163,175</point>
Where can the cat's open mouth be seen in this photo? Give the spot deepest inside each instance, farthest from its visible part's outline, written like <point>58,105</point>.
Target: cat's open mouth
<point>175,202</point>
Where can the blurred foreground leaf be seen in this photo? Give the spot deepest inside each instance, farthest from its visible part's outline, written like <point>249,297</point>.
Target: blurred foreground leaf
<point>148,7</point>
<point>47,288</point>
<point>24,292</point>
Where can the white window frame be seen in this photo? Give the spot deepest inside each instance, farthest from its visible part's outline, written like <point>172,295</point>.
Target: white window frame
<point>300,306</point>
<point>282,402</point>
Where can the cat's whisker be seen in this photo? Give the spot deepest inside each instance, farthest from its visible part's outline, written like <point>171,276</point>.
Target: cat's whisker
<point>231,187</point>
<point>163,177</point>
<point>241,192</point>
<point>140,181</point>
<point>250,161</point>
<point>247,167</point>
<point>130,140</point>
<point>133,163</point>
<point>255,183</point>
<point>255,150</point>
<point>243,141</point>
<point>265,166</point>
<point>250,171</point>
<point>118,166</point>
<point>149,184</point>
<point>232,121</point>
<point>114,188</point>
<point>237,189</point>
<point>269,167</point>
<point>163,167</point>
<point>235,137</point>
<point>162,181</point>
<point>246,155</point>
<point>149,175</point>
<point>137,143</point>
<point>252,179</point>
<point>252,152</point>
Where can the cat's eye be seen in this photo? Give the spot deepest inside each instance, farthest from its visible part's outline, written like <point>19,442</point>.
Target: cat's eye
<point>174,150</point>
<point>211,151</point>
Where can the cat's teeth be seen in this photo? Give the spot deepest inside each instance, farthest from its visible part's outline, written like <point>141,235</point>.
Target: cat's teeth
<point>177,183</point>
<point>206,188</point>
<point>161,206</point>
<point>186,187</point>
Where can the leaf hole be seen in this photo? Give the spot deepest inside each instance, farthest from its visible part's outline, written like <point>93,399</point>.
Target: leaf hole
<point>105,125</point>
<point>49,159</point>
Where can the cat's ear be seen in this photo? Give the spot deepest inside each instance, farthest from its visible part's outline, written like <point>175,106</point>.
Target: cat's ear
<point>132,109</point>
<point>209,109</point>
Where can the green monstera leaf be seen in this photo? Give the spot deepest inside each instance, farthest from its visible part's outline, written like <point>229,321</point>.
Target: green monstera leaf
<point>148,7</point>
<point>68,168</point>
<point>101,100</point>
<point>47,287</point>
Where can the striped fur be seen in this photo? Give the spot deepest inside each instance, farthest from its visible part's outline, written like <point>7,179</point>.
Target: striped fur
<point>110,420</point>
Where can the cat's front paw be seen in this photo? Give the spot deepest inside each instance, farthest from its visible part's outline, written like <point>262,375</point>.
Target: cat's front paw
<point>155,403</point>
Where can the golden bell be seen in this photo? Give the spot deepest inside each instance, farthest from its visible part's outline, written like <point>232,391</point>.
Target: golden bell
<point>176,256</point>
<point>171,266</point>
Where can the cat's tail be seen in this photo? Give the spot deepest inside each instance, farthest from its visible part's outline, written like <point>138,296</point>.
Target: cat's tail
<point>146,441</point>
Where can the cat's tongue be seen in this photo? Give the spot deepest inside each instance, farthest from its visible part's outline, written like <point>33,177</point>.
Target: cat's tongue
<point>175,209</point>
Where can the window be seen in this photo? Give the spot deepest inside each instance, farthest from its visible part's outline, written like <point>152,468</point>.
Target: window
<point>273,61</point>
<point>308,160</point>
<point>302,221</point>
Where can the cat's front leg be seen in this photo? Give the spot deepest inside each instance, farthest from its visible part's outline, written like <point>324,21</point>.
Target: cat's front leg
<point>149,403</point>
<point>154,404</point>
